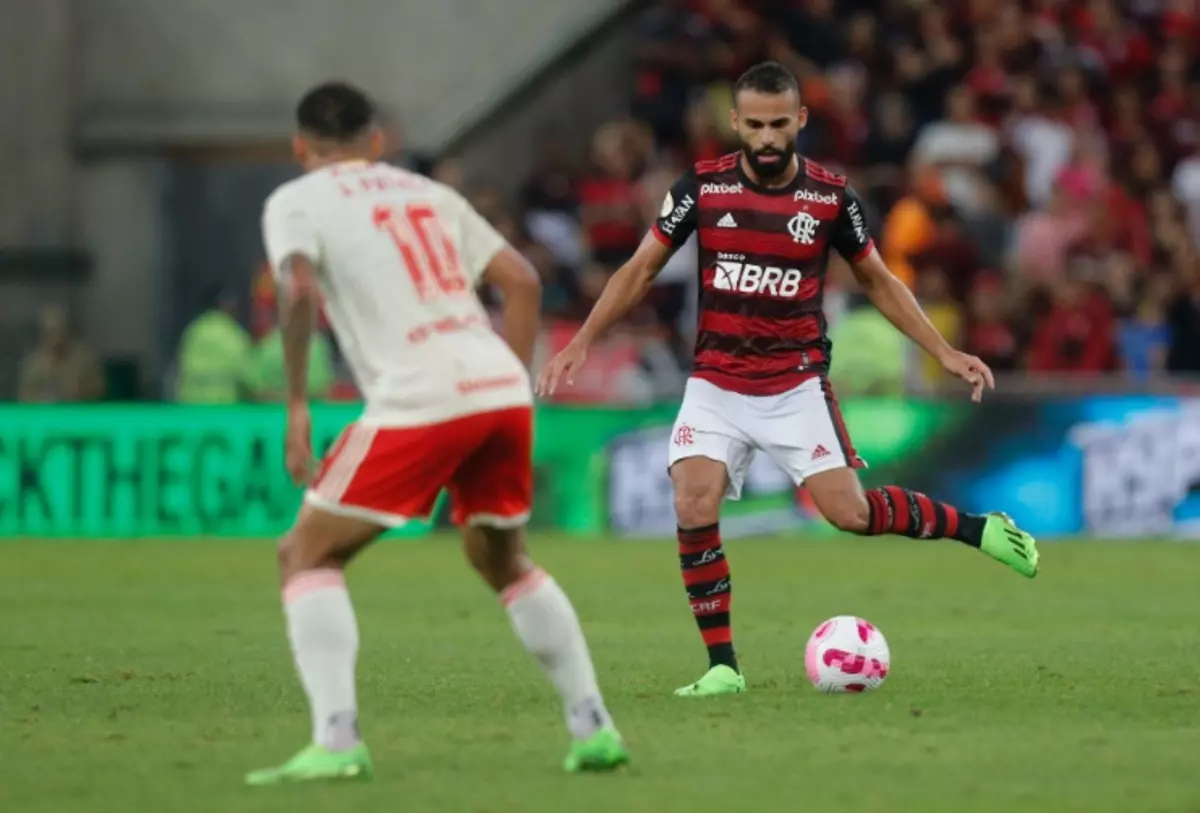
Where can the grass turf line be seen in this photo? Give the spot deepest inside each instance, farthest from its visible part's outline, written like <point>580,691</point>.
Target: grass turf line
<point>141,676</point>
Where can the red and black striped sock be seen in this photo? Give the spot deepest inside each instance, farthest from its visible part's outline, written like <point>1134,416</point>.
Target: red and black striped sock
<point>895,510</point>
<point>706,577</point>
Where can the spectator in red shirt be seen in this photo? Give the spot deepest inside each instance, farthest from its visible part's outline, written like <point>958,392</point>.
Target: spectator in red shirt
<point>704,140</point>
<point>608,200</point>
<point>1120,221</point>
<point>989,334</point>
<point>988,79</point>
<point>1172,99</point>
<point>1180,21</point>
<point>1076,333</point>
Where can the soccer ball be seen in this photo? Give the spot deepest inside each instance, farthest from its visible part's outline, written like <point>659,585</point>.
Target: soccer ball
<point>846,654</point>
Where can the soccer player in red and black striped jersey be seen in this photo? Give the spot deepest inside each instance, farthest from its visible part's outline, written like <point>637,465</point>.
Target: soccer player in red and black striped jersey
<point>766,220</point>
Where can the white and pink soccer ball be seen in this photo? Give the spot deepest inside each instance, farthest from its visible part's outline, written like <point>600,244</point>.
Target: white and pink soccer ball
<point>846,654</point>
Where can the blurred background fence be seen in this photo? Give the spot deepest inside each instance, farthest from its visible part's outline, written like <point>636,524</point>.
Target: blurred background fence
<point>1032,169</point>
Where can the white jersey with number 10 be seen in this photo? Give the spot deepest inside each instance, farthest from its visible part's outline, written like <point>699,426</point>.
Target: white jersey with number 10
<point>399,257</point>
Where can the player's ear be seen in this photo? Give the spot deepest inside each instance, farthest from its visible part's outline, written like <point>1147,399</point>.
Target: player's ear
<point>802,118</point>
<point>377,144</point>
<point>733,119</point>
<point>300,149</point>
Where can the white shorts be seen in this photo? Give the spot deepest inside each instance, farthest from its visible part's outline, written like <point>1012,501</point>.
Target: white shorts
<point>801,430</point>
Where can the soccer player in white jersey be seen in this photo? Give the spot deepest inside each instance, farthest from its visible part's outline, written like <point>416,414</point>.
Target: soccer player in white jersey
<point>395,259</point>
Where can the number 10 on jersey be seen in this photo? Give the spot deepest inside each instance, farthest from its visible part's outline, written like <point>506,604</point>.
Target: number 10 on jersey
<point>424,248</point>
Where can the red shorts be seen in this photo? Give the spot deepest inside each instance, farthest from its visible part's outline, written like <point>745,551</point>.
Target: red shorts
<point>391,475</point>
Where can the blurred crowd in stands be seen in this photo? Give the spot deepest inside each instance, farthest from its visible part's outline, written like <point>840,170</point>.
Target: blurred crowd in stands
<point>1033,170</point>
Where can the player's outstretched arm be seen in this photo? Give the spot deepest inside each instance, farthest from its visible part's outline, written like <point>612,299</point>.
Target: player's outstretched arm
<point>624,289</point>
<point>521,289</point>
<point>897,303</point>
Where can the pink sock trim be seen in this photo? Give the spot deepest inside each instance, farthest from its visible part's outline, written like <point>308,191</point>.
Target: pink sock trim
<point>524,586</point>
<point>310,580</point>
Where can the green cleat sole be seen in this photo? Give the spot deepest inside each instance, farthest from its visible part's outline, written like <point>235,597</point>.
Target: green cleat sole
<point>716,681</point>
<point>316,764</point>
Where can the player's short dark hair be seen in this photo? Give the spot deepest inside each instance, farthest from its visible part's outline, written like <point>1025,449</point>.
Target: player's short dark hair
<point>336,111</point>
<point>767,77</point>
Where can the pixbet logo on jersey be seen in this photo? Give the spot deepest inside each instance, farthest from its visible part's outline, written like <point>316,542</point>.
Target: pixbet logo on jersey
<point>747,278</point>
<point>809,196</point>
<point>721,189</point>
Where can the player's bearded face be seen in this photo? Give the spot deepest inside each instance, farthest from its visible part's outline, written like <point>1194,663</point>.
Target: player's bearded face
<point>767,124</point>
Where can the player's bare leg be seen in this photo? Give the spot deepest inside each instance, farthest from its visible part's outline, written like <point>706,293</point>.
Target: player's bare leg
<point>323,633</point>
<point>546,623</point>
<point>699,484</point>
<point>841,499</point>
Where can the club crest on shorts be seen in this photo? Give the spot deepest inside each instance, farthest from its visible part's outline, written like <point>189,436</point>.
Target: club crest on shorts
<point>684,435</point>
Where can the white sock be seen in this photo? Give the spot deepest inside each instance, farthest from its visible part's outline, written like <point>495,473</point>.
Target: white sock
<point>324,636</point>
<point>544,620</point>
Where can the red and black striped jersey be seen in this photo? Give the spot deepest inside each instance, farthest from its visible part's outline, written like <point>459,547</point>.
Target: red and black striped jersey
<point>762,258</point>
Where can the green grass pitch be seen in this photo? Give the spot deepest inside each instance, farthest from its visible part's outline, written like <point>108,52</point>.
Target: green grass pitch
<point>149,677</point>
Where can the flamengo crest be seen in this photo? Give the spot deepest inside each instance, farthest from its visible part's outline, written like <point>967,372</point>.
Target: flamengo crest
<point>803,228</point>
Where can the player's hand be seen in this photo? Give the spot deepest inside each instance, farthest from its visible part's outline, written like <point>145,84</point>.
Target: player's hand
<point>972,370</point>
<point>561,368</point>
<point>298,454</point>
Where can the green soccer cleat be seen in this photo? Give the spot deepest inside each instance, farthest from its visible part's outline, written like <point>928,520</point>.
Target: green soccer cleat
<point>603,751</point>
<point>1005,542</point>
<point>316,763</point>
<point>720,679</point>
